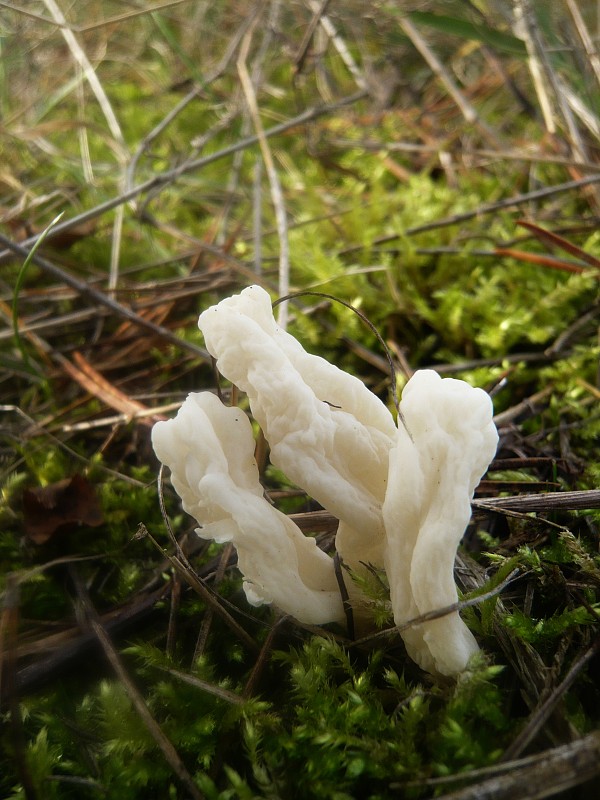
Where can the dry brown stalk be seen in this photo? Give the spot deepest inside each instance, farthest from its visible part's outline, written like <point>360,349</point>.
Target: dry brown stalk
<point>165,745</point>
<point>93,382</point>
<point>197,583</point>
<point>539,776</point>
<point>172,174</point>
<point>541,714</point>
<point>274,183</point>
<point>195,92</point>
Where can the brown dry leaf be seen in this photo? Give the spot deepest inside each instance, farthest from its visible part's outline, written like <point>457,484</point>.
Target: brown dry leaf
<point>60,507</point>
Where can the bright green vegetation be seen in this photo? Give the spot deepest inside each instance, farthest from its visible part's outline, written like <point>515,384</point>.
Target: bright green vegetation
<point>373,193</point>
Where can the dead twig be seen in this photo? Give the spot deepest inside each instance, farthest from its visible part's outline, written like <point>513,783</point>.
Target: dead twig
<point>209,688</point>
<point>540,716</point>
<point>187,166</point>
<point>483,210</point>
<point>466,108</point>
<point>197,90</point>
<point>171,755</point>
<point>201,588</point>
<point>545,501</point>
<point>438,613</point>
<point>315,521</point>
<point>530,778</point>
<point>84,288</point>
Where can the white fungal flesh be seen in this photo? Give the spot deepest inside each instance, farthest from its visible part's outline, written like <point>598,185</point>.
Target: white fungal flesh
<point>428,506</point>
<point>209,449</point>
<point>327,431</point>
<point>402,495</point>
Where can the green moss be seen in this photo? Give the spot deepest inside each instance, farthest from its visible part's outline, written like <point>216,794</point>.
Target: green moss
<point>325,719</point>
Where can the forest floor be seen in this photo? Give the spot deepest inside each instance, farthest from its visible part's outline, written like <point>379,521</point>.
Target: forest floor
<point>437,167</point>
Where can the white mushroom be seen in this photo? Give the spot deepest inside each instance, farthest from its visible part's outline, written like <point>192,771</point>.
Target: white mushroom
<point>428,506</point>
<point>209,449</point>
<point>327,431</point>
<point>402,494</point>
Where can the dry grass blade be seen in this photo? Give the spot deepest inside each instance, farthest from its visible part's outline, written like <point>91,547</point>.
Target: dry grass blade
<point>99,297</point>
<point>558,241</point>
<point>540,715</point>
<point>92,381</point>
<point>274,183</point>
<point>523,29</point>
<point>89,72</point>
<point>173,174</point>
<point>586,39</point>
<point>319,12</point>
<point>154,729</point>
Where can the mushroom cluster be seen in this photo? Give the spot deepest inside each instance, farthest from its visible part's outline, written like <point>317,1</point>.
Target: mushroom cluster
<point>401,493</point>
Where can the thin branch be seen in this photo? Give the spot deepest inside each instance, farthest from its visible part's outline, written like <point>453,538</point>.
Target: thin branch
<point>220,68</point>
<point>189,166</point>
<point>90,292</point>
<point>171,755</point>
<point>438,613</point>
<point>487,208</point>
<point>209,688</point>
<point>541,715</point>
<point>543,775</point>
<point>309,33</point>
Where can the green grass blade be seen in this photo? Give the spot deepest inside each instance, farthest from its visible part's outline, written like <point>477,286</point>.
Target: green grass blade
<point>499,40</point>
<point>19,283</point>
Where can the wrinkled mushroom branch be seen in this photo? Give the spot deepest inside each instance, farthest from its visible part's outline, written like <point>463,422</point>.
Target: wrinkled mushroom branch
<point>402,500</point>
